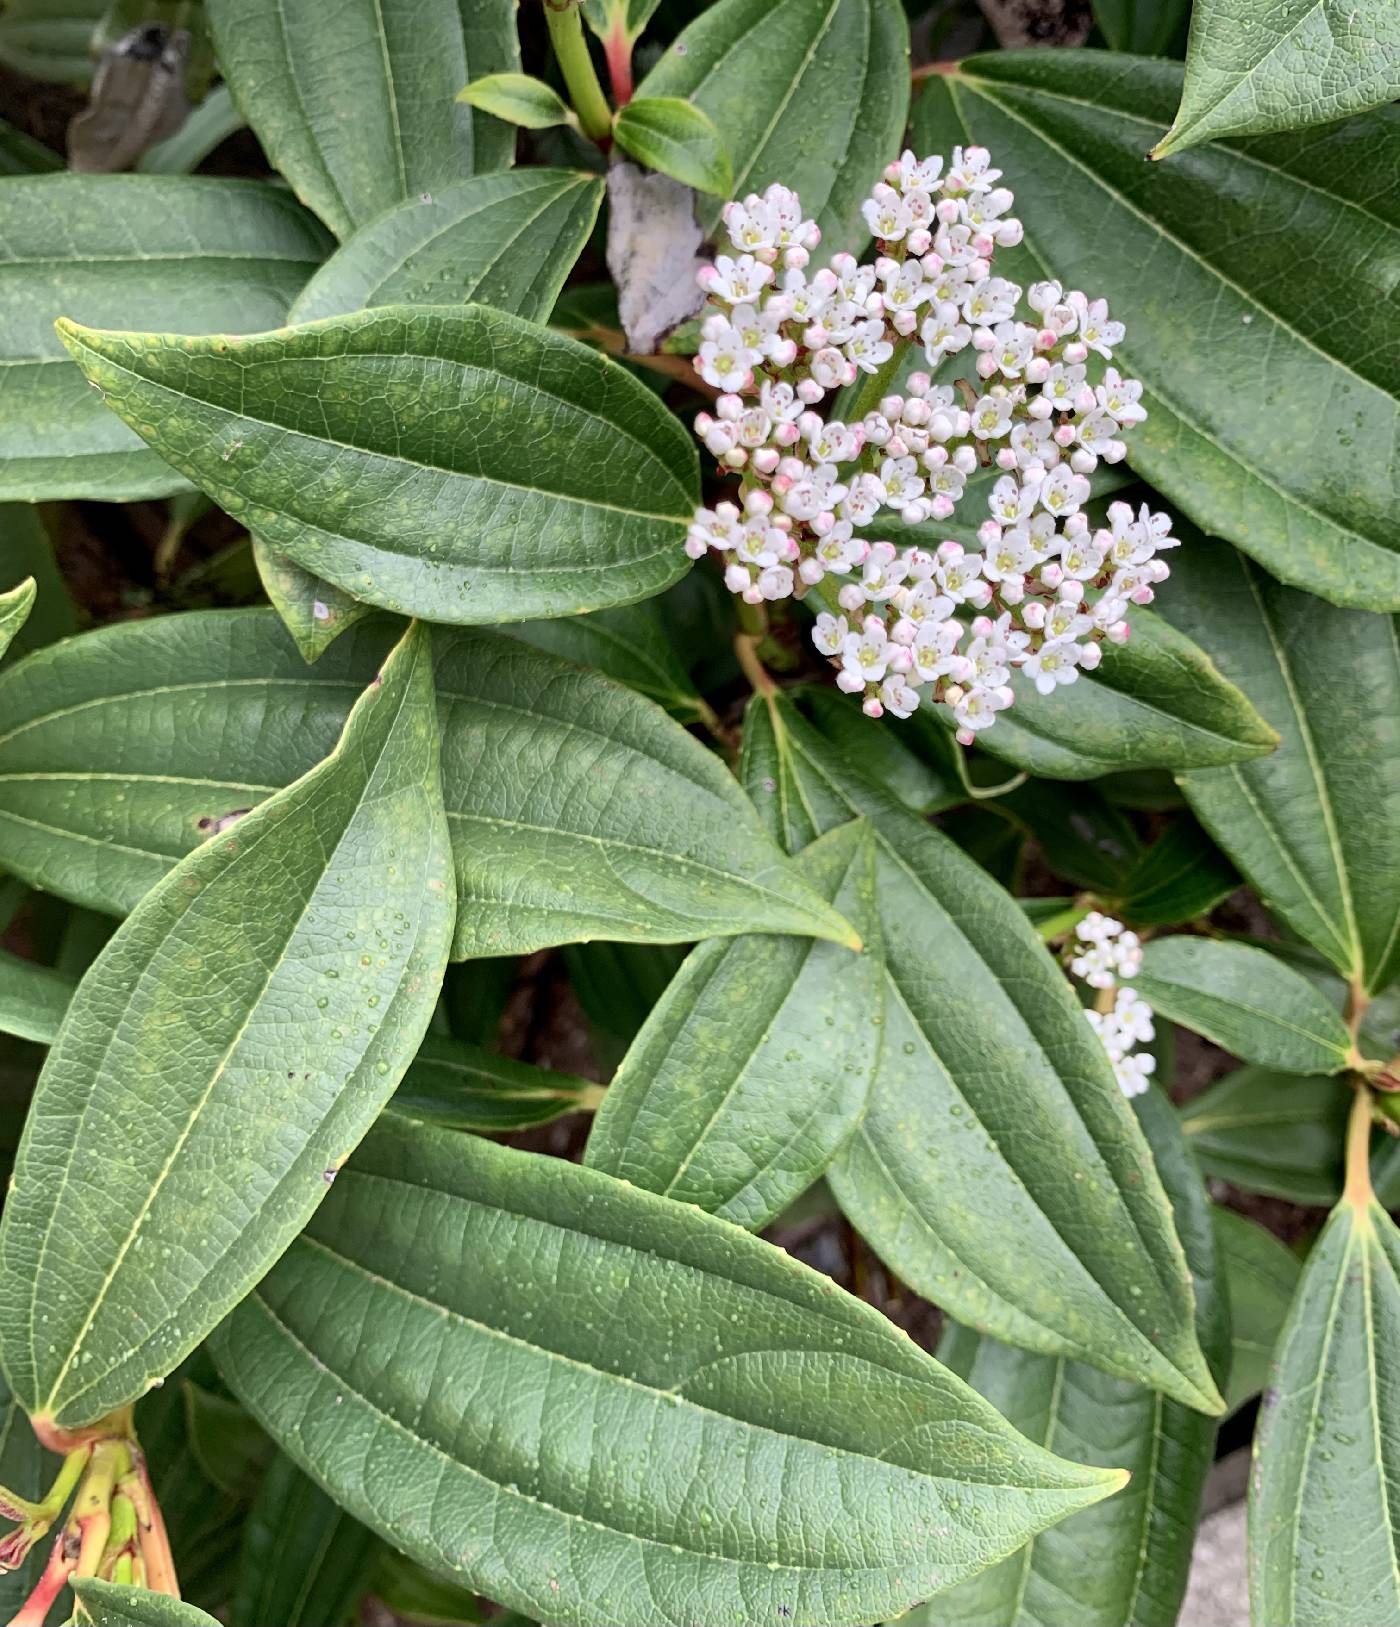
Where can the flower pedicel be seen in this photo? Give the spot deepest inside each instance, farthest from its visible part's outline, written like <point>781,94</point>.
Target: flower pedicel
<point>937,622</point>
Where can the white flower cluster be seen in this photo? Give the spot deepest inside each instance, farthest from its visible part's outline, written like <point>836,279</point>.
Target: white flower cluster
<point>1106,951</point>
<point>1045,588</point>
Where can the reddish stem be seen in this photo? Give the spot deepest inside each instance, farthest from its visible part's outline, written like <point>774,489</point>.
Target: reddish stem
<point>61,1565</point>
<point>617,49</point>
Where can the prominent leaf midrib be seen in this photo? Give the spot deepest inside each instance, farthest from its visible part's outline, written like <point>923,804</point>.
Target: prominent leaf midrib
<point>1383,959</point>
<point>500,1488</point>
<point>1235,1003</point>
<point>391,96</point>
<point>216,1075</point>
<point>1243,1121</point>
<point>1315,769</point>
<point>1028,1552</point>
<point>1379,1455</point>
<point>317,154</point>
<point>233,256</point>
<point>1159,227</point>
<point>1034,1038</point>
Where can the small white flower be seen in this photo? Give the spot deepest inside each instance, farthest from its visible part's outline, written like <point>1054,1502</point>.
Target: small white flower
<point>991,417</point>
<point>830,633</point>
<point>1053,664</point>
<point>735,281</point>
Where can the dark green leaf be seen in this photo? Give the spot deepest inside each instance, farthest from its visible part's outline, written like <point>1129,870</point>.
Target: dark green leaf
<point>1149,27</point>
<point>617,984</point>
<point>1156,702</point>
<point>1125,1560</point>
<point>25,551</point>
<point>50,39</point>
<point>194,254</point>
<point>1246,1001</point>
<point>812,94</point>
<point>315,612</point>
<point>651,1336</point>
<point>577,808</point>
<point>1316,826</point>
<point>625,17</point>
<point>109,1604</point>
<point>359,110</point>
<point>518,98</point>
<point>305,1561</point>
<point>1323,1533</point>
<point>505,240</point>
<point>564,486</point>
<point>27,1470</point>
<point>1262,65</point>
<point>118,1250</point>
<point>679,139</point>
<point>998,1169</point>
<point>415,1595</point>
<point>1081,836</point>
<point>33,998</point>
<point>1188,256</point>
<point>20,154</point>
<point>1275,1133</point>
<point>1263,1277</point>
<point>467,1087</point>
<point>756,1063</point>
<point>912,757</point>
<point>14,610</point>
<point>1181,877</point>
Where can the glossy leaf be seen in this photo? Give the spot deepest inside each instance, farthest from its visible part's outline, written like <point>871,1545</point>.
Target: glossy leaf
<point>118,1252</point>
<point>1316,826</point>
<point>1259,65</point>
<point>519,98</point>
<point>913,759</point>
<point>577,808</point>
<point>191,253</point>
<point>1323,1533</point>
<point>504,240</point>
<point>631,644</point>
<point>362,114</point>
<point>467,1087</point>
<point>1246,1001</point>
<point>33,998</point>
<point>672,1357</point>
<point>1276,1133</point>
<point>1125,1560</point>
<point>984,1098</point>
<point>473,522</point>
<point>14,611</point>
<point>627,17</point>
<point>1081,837</point>
<point>1158,701</point>
<point>1262,1276</point>
<point>677,138</point>
<point>756,1063</point>
<point>314,612</point>
<point>1188,256</point>
<point>305,1562</point>
<point>1181,877</point>
<point>759,68</point>
<point>111,1604</point>
<point>1148,27</point>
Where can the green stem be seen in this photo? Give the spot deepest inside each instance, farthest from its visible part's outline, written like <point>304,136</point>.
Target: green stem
<point>571,48</point>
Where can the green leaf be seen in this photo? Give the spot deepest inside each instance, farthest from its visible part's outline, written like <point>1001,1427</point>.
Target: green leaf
<point>1262,1276</point>
<point>305,1561</point>
<point>112,1604</point>
<point>27,1470</point>
<point>1274,1133</point>
<point>630,644</point>
<point>118,1251</point>
<point>50,39</point>
<point>25,552</point>
<point>192,253</point>
<point>669,134</point>
<point>1082,838</point>
<point>1259,65</point>
<point>1246,1001</point>
<point>1323,1536</point>
<point>315,612</point>
<point>624,17</point>
<point>911,757</point>
<point>1181,877</point>
<point>212,122</point>
<point>33,999</point>
<point>1125,1560</point>
<point>359,111</point>
<point>1315,827</point>
<point>21,154</point>
<point>1157,701</point>
<point>14,610</point>
<point>650,1336</point>
<point>1149,27</point>
<point>570,492</point>
<point>756,1063</point>
<point>504,240</point>
<point>998,1169</point>
<point>467,1087</point>
<point>577,809</point>
<point>414,1595</point>
<point>812,94</point>
<point>1187,255</point>
<point>518,98</point>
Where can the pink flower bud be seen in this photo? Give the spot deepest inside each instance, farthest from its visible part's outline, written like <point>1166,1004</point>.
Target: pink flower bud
<point>851,596</point>
<point>849,682</point>
<point>1037,371</point>
<point>811,571</point>
<point>986,364</point>
<point>1006,458</point>
<point>919,241</point>
<point>695,547</point>
<point>1082,462</point>
<point>1118,633</point>
<point>964,737</point>
<point>796,257</point>
<point>736,577</point>
<point>765,460</point>
<point>1064,435</point>
<point>871,706</point>
<point>735,458</point>
<point>1034,615</point>
<point>948,550</point>
<point>1052,573</point>
<point>1076,352</point>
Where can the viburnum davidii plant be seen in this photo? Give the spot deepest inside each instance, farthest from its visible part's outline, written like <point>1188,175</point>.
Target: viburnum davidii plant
<point>790,1031</point>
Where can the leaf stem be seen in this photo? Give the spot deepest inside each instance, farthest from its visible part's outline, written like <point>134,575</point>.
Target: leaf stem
<point>1357,1190</point>
<point>617,48</point>
<point>571,48</point>
<point>746,653</point>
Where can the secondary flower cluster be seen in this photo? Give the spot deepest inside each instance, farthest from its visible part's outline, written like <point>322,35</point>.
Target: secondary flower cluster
<point>1045,586</point>
<point>1105,952</point>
